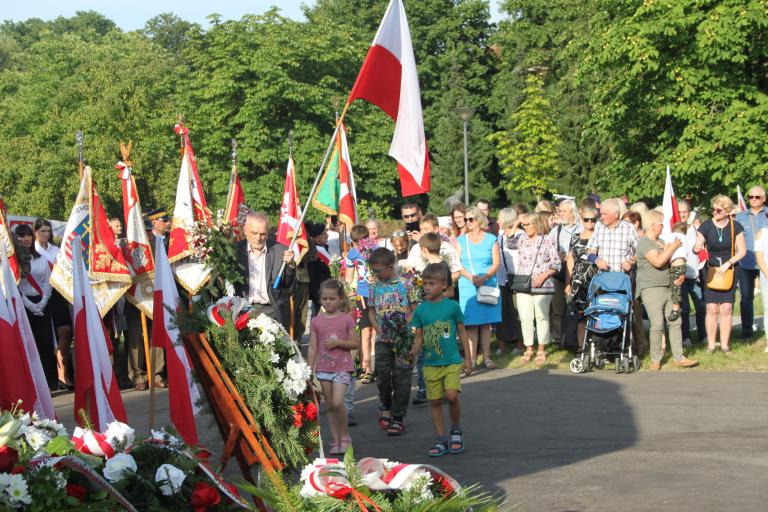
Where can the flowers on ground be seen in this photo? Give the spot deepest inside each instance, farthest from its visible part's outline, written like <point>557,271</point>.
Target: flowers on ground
<point>170,479</point>
<point>119,466</point>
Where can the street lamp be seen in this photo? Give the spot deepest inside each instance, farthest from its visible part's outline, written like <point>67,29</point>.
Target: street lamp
<point>465,113</point>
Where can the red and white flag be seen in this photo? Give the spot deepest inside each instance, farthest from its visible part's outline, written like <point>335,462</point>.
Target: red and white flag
<point>21,373</point>
<point>388,79</point>
<point>740,198</point>
<point>669,206</point>
<point>347,193</point>
<point>96,390</point>
<point>234,213</point>
<point>137,251</point>
<point>7,243</point>
<point>290,214</point>
<point>189,210</point>
<point>183,394</point>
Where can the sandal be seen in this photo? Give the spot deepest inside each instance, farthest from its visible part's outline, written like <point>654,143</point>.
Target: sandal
<point>526,357</point>
<point>334,449</point>
<point>396,428</point>
<point>439,449</point>
<point>541,357</point>
<point>344,445</point>
<point>367,378</point>
<point>384,421</point>
<point>457,441</point>
<point>490,365</point>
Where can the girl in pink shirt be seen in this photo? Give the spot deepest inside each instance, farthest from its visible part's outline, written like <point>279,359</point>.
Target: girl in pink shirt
<point>332,339</point>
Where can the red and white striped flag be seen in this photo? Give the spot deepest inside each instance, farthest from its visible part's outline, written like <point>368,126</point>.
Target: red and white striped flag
<point>742,204</point>
<point>669,206</point>
<point>290,213</point>
<point>21,373</point>
<point>183,394</point>
<point>96,390</point>
<point>7,243</point>
<point>137,251</point>
<point>234,213</point>
<point>389,80</point>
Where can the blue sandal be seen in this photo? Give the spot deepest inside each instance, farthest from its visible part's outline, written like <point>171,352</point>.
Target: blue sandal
<point>439,449</point>
<point>457,441</point>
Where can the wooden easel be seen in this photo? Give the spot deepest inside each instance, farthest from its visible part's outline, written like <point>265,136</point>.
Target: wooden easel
<point>242,437</point>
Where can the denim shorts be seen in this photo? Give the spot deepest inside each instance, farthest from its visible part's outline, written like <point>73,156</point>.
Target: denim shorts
<point>341,377</point>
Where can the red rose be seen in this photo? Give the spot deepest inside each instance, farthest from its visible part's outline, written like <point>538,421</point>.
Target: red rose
<point>76,491</point>
<point>310,412</point>
<point>297,419</point>
<point>8,458</point>
<point>203,496</point>
<point>17,470</point>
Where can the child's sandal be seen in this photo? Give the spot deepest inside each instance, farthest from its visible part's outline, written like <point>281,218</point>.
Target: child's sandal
<point>439,449</point>
<point>384,421</point>
<point>367,378</point>
<point>457,441</point>
<point>396,428</point>
<point>345,444</point>
<point>334,449</point>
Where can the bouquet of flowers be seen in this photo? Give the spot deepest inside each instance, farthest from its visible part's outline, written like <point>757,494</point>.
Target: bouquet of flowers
<point>215,246</point>
<point>396,322</point>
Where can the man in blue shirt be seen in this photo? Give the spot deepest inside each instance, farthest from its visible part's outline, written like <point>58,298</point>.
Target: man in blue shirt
<point>753,220</point>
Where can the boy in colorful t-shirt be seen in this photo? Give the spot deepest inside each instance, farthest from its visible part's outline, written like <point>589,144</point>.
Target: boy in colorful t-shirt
<point>438,321</point>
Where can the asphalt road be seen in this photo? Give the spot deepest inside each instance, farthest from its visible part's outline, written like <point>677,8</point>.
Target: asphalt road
<point>552,441</point>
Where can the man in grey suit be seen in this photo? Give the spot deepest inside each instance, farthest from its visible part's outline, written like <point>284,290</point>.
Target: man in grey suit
<point>261,259</point>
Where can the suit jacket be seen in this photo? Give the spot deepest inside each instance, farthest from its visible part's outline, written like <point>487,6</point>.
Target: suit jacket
<point>279,297</point>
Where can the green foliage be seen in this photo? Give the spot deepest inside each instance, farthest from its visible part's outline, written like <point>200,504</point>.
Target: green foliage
<point>528,150</point>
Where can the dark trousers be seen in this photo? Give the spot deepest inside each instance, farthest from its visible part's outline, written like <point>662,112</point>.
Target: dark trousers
<point>690,288</point>
<point>134,346</point>
<point>42,330</point>
<point>747,288</point>
<point>394,381</point>
<point>300,302</point>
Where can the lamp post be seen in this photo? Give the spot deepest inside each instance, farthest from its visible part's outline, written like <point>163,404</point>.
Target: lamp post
<point>465,113</point>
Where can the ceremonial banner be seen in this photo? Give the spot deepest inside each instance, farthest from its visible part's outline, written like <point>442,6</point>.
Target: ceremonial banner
<point>104,261</point>
<point>190,208</point>
<point>183,395</point>
<point>96,390</point>
<point>22,373</point>
<point>741,203</point>
<point>336,191</point>
<point>235,211</point>
<point>290,213</point>
<point>136,250</point>
<point>389,80</point>
<point>7,242</point>
<point>669,207</point>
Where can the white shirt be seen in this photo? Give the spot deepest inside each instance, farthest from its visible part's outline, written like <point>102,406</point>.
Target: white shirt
<point>334,245</point>
<point>508,258</point>
<point>40,273</point>
<point>257,276</point>
<point>682,251</point>
<point>49,254</point>
<point>693,259</point>
<point>448,253</point>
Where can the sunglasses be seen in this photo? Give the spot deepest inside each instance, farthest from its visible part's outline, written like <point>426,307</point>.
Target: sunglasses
<point>399,233</point>
<point>589,219</point>
<point>469,219</point>
<point>525,225</point>
<point>755,197</point>
<point>717,210</point>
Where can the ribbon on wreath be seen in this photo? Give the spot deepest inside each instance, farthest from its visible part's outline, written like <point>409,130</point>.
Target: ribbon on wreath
<point>377,477</point>
<point>237,307</point>
<point>340,491</point>
<point>92,443</point>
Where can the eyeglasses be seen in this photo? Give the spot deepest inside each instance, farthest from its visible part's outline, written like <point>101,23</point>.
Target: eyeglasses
<point>717,210</point>
<point>399,233</point>
<point>589,219</point>
<point>755,197</point>
<point>410,215</point>
<point>469,219</point>
<point>525,225</point>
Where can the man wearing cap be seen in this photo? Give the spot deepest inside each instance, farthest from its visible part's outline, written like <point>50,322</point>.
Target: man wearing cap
<point>261,259</point>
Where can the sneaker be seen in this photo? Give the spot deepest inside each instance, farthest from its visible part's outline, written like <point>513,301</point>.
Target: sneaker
<point>673,315</point>
<point>687,342</point>
<point>684,362</point>
<point>516,351</point>
<point>498,352</point>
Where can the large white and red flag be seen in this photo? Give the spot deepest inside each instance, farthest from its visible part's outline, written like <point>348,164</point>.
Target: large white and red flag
<point>21,373</point>
<point>388,79</point>
<point>669,206</point>
<point>189,210</point>
<point>104,260</point>
<point>183,394</point>
<point>137,251</point>
<point>7,242</point>
<point>290,214</point>
<point>96,390</point>
<point>742,204</point>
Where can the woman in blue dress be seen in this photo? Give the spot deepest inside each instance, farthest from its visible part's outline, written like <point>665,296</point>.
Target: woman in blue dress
<point>479,256</point>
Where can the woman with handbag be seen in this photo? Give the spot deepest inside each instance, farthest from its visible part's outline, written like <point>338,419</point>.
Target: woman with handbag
<point>724,240</point>
<point>508,330</point>
<point>533,283</point>
<point>479,293</point>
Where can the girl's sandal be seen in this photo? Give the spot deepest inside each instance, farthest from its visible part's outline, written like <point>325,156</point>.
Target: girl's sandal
<point>526,357</point>
<point>334,449</point>
<point>345,444</point>
<point>439,449</point>
<point>384,421</point>
<point>457,441</point>
<point>367,378</point>
<point>541,357</point>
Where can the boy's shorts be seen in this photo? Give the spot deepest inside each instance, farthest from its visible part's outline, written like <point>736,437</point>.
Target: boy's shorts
<point>363,320</point>
<point>440,378</point>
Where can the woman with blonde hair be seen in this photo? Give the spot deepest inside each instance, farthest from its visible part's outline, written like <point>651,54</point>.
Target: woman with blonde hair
<point>508,330</point>
<point>537,259</point>
<point>478,253</point>
<point>724,239</point>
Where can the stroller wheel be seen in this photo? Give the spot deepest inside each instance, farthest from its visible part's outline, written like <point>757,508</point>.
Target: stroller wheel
<point>617,364</point>
<point>577,365</point>
<point>627,364</point>
<point>635,363</point>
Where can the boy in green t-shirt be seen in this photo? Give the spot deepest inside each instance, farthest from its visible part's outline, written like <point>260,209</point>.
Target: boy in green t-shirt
<point>438,321</point>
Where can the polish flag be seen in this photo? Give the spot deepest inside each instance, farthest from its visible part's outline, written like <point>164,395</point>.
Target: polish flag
<point>7,243</point>
<point>183,394</point>
<point>388,79</point>
<point>740,198</point>
<point>21,373</point>
<point>96,390</point>
<point>235,209</point>
<point>669,207</point>
<point>290,213</point>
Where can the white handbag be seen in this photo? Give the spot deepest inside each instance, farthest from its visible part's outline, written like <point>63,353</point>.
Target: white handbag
<point>485,294</point>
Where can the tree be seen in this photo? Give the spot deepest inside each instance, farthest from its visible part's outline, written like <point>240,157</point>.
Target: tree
<point>528,151</point>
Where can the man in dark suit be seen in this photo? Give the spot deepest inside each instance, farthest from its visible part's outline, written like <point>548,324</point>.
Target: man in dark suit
<point>261,259</point>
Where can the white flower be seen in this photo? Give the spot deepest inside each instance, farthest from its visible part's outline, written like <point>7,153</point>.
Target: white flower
<point>294,379</point>
<point>60,480</point>
<point>16,488</point>
<point>119,466</point>
<point>274,358</point>
<point>253,324</point>
<point>172,478</point>
<point>54,426</point>
<point>10,431</point>
<point>118,432</point>
<point>418,486</point>
<point>36,438</point>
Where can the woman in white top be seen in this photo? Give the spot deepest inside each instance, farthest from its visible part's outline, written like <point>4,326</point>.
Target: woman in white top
<point>58,305</point>
<point>761,255</point>
<point>508,331</point>
<point>35,288</point>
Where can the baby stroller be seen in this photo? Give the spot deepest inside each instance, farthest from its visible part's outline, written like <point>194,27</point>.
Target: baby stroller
<point>608,336</point>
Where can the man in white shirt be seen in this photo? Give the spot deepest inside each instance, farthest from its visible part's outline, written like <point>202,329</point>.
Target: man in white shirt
<point>430,224</point>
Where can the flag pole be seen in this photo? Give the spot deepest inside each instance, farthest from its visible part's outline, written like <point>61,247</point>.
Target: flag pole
<point>80,152</point>
<point>152,397</point>
<point>150,368</point>
<point>312,192</point>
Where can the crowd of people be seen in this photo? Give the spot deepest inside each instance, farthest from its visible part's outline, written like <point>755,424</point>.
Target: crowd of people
<point>428,298</point>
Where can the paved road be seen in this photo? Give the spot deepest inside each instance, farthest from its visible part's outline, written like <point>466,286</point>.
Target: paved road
<point>552,441</point>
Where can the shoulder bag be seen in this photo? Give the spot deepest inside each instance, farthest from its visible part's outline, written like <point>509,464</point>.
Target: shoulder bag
<point>522,283</point>
<point>725,282</point>
<point>485,294</point>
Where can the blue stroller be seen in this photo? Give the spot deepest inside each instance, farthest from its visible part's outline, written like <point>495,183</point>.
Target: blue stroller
<point>608,336</point>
